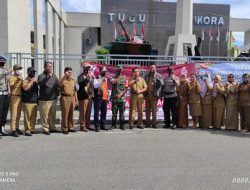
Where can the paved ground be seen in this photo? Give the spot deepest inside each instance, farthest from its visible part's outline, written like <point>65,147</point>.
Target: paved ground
<point>130,160</point>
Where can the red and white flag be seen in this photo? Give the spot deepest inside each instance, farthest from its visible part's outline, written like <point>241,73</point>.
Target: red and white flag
<point>115,32</point>
<point>210,34</point>
<point>134,30</point>
<point>218,35</point>
<point>142,31</point>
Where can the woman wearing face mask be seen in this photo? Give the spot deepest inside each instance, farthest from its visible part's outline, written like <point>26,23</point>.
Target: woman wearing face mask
<point>194,100</point>
<point>244,102</point>
<point>15,82</point>
<point>206,119</point>
<point>218,102</point>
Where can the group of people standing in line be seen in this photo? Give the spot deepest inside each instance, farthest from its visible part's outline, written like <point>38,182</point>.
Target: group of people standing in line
<point>212,104</point>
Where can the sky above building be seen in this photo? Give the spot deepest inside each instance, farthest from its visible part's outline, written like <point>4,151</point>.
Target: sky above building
<point>239,9</point>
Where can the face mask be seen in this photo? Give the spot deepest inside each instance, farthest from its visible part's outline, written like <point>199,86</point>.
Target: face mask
<point>103,74</point>
<point>31,75</point>
<point>1,64</point>
<point>18,72</point>
<point>118,73</point>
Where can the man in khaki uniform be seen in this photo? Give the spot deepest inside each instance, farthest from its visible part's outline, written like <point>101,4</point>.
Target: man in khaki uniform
<point>30,101</point>
<point>68,101</point>
<point>137,87</point>
<point>15,82</point>
<point>232,112</point>
<point>154,82</point>
<point>244,103</point>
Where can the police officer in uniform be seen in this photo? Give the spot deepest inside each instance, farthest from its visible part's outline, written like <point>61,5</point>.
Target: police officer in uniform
<point>119,88</point>
<point>15,82</point>
<point>69,101</point>
<point>4,95</point>
<point>30,101</point>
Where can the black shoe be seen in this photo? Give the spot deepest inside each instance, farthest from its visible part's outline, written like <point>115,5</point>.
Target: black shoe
<point>97,129</point>
<point>104,129</point>
<point>46,133</point>
<point>3,133</point>
<point>33,132</point>
<point>54,131</point>
<point>28,134</point>
<point>65,132</point>
<point>72,130</point>
<point>166,126</point>
<point>122,128</point>
<point>19,132</point>
<point>14,134</point>
<point>131,127</point>
<point>154,126</point>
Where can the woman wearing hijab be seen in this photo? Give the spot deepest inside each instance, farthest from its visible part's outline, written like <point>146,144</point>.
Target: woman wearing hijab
<point>218,102</point>
<point>232,116</point>
<point>194,100</point>
<point>206,102</point>
<point>182,92</point>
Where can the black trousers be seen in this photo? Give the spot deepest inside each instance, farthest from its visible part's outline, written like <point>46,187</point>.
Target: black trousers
<point>170,105</point>
<point>100,106</point>
<point>4,106</point>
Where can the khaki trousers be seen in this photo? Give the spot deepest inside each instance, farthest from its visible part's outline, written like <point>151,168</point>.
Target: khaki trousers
<point>245,117</point>
<point>136,101</point>
<point>85,110</point>
<point>67,108</point>
<point>30,113</point>
<point>15,111</point>
<point>48,115</point>
<point>151,107</point>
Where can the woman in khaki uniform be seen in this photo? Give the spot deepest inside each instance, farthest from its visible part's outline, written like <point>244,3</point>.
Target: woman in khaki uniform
<point>206,120</point>
<point>218,103</point>
<point>244,103</point>
<point>232,116</point>
<point>182,92</point>
<point>68,100</point>
<point>194,100</point>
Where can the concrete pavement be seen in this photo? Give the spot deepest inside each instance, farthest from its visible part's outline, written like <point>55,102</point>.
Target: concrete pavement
<point>127,160</point>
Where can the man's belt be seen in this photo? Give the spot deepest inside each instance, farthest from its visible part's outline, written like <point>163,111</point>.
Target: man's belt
<point>67,95</point>
<point>4,93</point>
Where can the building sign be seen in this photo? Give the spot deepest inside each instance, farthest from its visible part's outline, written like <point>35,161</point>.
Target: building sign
<point>207,20</point>
<point>131,18</point>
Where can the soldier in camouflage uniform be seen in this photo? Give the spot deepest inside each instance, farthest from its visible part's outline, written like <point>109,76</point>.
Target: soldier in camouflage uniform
<point>119,88</point>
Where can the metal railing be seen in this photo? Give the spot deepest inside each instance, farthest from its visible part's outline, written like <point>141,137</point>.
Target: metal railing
<point>73,60</point>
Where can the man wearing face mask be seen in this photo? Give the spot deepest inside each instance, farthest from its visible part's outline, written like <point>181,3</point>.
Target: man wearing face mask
<point>48,94</point>
<point>119,88</point>
<point>154,82</point>
<point>4,95</point>
<point>85,93</point>
<point>15,82</point>
<point>30,101</point>
<point>100,99</point>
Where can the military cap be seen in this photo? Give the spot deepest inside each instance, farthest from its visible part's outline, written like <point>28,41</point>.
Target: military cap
<point>17,66</point>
